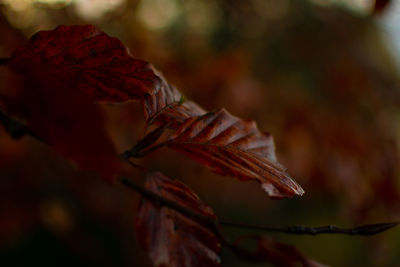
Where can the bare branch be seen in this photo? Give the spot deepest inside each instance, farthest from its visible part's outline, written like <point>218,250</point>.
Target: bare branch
<point>17,129</point>
<point>365,230</point>
<point>208,222</point>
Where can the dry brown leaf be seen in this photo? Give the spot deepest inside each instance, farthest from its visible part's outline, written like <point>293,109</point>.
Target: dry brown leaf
<point>170,238</point>
<point>230,146</point>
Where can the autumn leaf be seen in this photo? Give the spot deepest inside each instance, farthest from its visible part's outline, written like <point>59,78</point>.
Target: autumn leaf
<point>234,147</point>
<point>63,72</point>
<point>68,121</point>
<point>380,5</point>
<point>169,237</point>
<point>168,105</point>
<point>87,60</point>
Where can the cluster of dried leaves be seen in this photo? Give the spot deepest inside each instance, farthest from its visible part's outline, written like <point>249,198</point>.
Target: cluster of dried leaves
<point>68,72</point>
<point>87,66</point>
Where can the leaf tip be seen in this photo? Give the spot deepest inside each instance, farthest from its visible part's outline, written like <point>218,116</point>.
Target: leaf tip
<point>375,228</point>
<point>275,193</point>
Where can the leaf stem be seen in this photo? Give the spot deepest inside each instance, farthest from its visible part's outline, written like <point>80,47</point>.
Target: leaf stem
<point>146,144</point>
<point>133,153</point>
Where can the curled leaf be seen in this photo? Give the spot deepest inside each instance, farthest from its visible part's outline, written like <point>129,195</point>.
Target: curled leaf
<point>380,6</point>
<point>169,237</point>
<point>88,60</point>
<point>234,147</point>
<point>168,105</point>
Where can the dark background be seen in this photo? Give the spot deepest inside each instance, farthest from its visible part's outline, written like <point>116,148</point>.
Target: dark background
<point>321,76</point>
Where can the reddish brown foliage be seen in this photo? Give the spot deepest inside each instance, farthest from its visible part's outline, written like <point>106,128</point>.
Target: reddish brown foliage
<point>380,5</point>
<point>230,146</point>
<point>88,60</point>
<point>69,122</point>
<point>171,238</point>
<point>169,106</point>
<point>66,70</point>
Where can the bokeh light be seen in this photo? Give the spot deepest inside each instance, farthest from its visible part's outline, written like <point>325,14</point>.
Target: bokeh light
<point>94,9</point>
<point>158,14</point>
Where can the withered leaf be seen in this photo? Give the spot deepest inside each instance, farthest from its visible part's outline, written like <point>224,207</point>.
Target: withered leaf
<point>380,5</point>
<point>234,147</point>
<point>168,106</point>
<point>86,59</point>
<point>63,72</point>
<point>68,121</point>
<point>170,238</point>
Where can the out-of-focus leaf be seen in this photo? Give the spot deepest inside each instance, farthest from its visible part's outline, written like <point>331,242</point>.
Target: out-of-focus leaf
<point>380,5</point>
<point>230,146</point>
<point>14,128</point>
<point>170,238</point>
<point>169,106</point>
<point>67,69</point>
<point>67,120</point>
<point>86,59</point>
<point>279,254</point>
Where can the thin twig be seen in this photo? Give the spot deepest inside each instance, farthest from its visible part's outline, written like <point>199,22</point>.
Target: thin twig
<point>144,146</point>
<point>22,130</point>
<point>133,153</point>
<point>133,164</point>
<point>365,230</point>
<point>207,221</point>
<point>16,128</point>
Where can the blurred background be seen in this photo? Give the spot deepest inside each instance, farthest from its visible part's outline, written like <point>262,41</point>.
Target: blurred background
<point>322,76</point>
